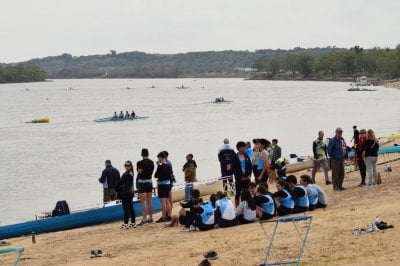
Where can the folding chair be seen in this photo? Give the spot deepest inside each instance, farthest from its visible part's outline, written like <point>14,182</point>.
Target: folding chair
<point>18,250</point>
<point>303,237</point>
<point>228,186</point>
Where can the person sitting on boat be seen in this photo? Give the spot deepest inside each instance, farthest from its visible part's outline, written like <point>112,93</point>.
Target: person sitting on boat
<point>127,115</point>
<point>133,115</point>
<point>121,115</point>
<point>115,116</point>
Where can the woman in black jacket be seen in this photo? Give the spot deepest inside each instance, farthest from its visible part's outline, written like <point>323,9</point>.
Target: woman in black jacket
<point>125,191</point>
<point>242,169</point>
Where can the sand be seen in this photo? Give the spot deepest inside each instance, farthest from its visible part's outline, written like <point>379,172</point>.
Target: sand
<point>331,241</point>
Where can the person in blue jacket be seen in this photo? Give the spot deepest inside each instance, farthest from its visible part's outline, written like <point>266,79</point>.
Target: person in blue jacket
<point>337,151</point>
<point>284,200</point>
<point>242,169</point>
<point>302,202</point>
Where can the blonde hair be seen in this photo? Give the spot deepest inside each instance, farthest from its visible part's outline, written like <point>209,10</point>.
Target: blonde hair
<point>371,135</point>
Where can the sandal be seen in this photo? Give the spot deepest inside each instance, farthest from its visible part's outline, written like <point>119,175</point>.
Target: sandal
<point>211,255</point>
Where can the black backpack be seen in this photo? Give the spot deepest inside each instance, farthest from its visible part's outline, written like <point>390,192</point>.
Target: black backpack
<point>60,209</point>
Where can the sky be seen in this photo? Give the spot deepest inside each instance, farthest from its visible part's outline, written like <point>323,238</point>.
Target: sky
<point>40,28</point>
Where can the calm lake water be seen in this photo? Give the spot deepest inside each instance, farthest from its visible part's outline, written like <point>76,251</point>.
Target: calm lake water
<point>43,163</point>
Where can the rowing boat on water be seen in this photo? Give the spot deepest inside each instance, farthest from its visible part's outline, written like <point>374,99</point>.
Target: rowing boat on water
<point>106,213</point>
<point>110,119</point>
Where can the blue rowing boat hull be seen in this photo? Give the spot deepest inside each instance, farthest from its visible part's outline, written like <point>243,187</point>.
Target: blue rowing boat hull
<point>390,149</point>
<point>73,220</point>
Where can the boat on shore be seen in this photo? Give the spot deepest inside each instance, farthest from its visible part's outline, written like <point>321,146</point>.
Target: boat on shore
<point>182,87</point>
<point>106,213</point>
<point>391,136</point>
<point>111,119</point>
<point>206,188</point>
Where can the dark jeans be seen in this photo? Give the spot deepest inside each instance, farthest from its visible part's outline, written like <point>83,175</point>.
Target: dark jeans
<point>337,173</point>
<point>363,169</point>
<point>127,207</point>
<point>222,222</point>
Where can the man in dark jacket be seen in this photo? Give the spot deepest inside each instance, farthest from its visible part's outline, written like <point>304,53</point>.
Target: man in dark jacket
<point>242,168</point>
<point>225,155</point>
<point>337,150</point>
<point>109,178</point>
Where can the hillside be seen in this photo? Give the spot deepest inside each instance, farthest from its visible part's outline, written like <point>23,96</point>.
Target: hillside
<point>143,65</point>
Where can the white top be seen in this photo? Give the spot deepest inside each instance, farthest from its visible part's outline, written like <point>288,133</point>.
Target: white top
<point>248,214</point>
<point>322,197</point>
<point>227,209</point>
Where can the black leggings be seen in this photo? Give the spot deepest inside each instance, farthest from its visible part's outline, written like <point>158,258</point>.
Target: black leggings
<point>363,170</point>
<point>127,207</point>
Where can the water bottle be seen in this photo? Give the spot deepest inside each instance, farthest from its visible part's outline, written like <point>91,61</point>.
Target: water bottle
<point>33,238</point>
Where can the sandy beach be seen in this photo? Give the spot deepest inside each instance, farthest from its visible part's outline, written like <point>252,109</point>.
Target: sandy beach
<point>330,242</point>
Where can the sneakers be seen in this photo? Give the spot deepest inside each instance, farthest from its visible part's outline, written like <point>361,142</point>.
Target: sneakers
<point>169,218</point>
<point>143,222</point>
<point>328,182</point>
<point>162,220</point>
<point>185,229</point>
<point>125,226</point>
<point>132,225</point>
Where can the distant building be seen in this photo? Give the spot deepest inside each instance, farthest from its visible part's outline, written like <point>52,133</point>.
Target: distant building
<point>362,81</point>
<point>245,69</point>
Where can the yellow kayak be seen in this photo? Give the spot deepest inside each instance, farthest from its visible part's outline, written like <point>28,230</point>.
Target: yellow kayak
<point>40,120</point>
<point>391,136</point>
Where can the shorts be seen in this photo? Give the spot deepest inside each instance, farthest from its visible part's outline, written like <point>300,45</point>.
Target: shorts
<point>242,220</point>
<point>163,191</point>
<point>282,210</point>
<point>266,216</point>
<point>312,207</point>
<point>145,187</point>
<point>298,209</point>
<point>183,219</point>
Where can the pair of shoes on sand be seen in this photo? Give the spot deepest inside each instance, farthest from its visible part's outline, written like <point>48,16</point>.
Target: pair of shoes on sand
<point>97,253</point>
<point>4,243</point>
<point>211,255</point>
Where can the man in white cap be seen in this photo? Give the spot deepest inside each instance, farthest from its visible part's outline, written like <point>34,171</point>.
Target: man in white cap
<point>337,150</point>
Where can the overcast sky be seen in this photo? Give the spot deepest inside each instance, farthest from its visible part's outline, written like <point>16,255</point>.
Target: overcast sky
<point>39,28</point>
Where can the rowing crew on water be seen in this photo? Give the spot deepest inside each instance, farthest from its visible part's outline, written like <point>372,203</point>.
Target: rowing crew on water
<point>124,116</point>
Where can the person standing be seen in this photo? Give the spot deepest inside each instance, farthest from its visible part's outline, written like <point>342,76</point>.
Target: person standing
<point>173,181</point>
<point>163,176</point>
<point>360,159</point>
<point>225,156</point>
<point>320,157</point>
<point>263,164</point>
<point>356,136</point>
<point>370,155</point>
<point>145,169</point>
<point>109,178</point>
<point>189,169</point>
<point>242,169</point>
<point>337,150</point>
<point>125,190</point>
<point>276,151</point>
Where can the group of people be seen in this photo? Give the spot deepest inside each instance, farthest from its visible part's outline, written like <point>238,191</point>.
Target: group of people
<point>123,187</point>
<point>255,202</point>
<point>252,199</point>
<point>121,115</point>
<point>366,146</point>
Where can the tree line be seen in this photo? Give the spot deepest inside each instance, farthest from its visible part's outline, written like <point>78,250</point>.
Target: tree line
<point>143,65</point>
<point>356,61</point>
<point>21,73</point>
